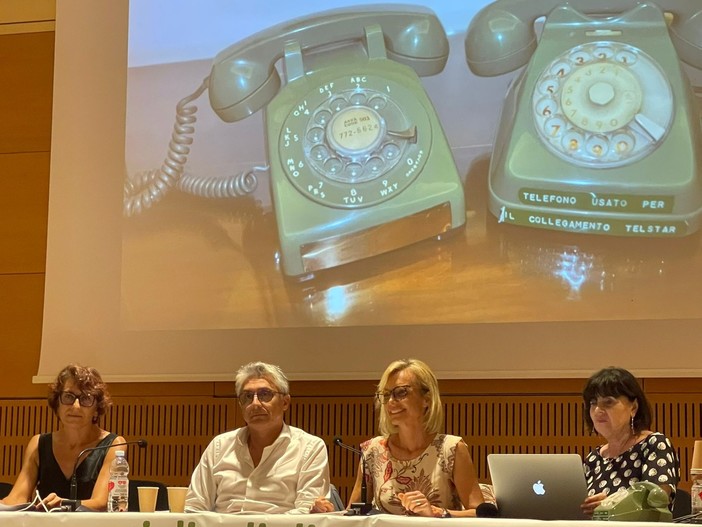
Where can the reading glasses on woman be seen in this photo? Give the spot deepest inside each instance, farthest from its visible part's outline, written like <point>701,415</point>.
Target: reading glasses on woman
<point>86,400</point>
<point>264,395</point>
<point>398,393</point>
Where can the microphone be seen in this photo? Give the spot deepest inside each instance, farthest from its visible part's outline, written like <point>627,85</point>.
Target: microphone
<point>73,503</point>
<point>365,507</point>
<point>487,510</point>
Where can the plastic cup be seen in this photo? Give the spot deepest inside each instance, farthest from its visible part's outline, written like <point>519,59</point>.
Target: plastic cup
<point>147,498</point>
<point>176,498</point>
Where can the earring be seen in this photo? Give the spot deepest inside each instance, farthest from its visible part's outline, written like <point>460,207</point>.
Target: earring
<point>633,432</point>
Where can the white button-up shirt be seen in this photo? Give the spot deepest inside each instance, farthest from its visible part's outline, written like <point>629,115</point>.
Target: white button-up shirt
<point>293,471</point>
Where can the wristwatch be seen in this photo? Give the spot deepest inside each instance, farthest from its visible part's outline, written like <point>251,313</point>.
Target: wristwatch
<point>445,513</point>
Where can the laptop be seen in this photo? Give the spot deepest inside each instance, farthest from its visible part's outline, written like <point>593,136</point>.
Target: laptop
<point>538,486</point>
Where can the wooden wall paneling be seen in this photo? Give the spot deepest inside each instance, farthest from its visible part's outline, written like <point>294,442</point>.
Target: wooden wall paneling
<point>353,419</point>
<point>177,432</point>
<point>22,299</point>
<point>19,421</point>
<point>24,202</point>
<point>27,71</point>
<point>179,428</point>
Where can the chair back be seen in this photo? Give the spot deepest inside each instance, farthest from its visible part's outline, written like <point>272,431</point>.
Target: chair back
<point>683,504</point>
<point>161,499</point>
<point>5,489</point>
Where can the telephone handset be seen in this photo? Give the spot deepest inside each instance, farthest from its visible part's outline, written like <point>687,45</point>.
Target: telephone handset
<point>359,163</point>
<point>644,501</point>
<point>601,132</point>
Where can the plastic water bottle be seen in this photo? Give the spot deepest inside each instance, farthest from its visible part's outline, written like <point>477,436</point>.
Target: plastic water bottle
<point>118,487</point>
<point>696,493</point>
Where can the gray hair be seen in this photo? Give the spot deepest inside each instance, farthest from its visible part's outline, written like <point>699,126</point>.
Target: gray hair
<point>261,370</point>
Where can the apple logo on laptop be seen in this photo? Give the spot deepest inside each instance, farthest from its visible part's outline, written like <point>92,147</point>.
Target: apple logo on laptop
<point>539,488</point>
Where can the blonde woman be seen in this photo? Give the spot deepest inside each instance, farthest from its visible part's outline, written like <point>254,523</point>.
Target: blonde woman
<point>412,468</point>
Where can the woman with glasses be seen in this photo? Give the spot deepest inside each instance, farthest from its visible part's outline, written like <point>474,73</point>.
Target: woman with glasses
<point>79,398</point>
<point>617,409</point>
<point>413,468</point>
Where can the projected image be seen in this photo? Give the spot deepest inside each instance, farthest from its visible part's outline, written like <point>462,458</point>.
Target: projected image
<point>288,169</point>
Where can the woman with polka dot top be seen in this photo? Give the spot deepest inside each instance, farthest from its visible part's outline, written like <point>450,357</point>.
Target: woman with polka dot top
<point>617,409</point>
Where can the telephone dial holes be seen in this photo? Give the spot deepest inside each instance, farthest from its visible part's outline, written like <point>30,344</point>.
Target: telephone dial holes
<point>333,165</point>
<point>603,53</point>
<point>390,151</point>
<point>555,127</point>
<point>561,69</point>
<point>377,103</point>
<point>357,99</point>
<point>319,152</point>
<point>597,146</point>
<point>315,135</point>
<point>623,144</point>
<point>572,142</point>
<point>354,171</point>
<point>322,117</point>
<point>581,57</point>
<point>375,165</point>
<point>546,107</point>
<point>602,104</point>
<point>338,104</point>
<point>548,87</point>
<point>626,57</point>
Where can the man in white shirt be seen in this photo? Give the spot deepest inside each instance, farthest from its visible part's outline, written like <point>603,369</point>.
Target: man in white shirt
<point>265,466</point>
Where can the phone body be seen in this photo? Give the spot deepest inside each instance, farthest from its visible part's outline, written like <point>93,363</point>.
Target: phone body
<point>359,163</point>
<point>644,501</point>
<point>600,133</point>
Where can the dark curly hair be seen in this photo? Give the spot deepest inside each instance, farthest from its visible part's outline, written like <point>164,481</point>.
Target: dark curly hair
<point>615,382</point>
<point>87,380</point>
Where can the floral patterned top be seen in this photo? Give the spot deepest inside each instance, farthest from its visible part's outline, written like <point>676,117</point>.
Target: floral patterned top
<point>430,473</point>
<point>651,459</point>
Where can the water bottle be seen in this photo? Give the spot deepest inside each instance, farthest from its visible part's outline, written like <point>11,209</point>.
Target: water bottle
<point>696,493</point>
<point>118,487</point>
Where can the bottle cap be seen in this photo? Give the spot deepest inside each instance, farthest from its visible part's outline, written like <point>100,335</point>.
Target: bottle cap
<point>696,464</point>
<point>119,453</point>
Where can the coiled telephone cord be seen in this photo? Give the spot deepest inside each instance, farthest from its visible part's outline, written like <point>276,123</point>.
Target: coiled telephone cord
<point>146,188</point>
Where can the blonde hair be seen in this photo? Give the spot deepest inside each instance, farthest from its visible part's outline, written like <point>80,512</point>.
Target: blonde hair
<point>426,380</point>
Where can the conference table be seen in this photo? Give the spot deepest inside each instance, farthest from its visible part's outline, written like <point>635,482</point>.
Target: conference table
<point>210,519</point>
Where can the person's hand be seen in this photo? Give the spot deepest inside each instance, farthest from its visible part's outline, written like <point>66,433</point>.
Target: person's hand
<point>51,502</point>
<point>588,506</point>
<point>416,502</point>
<point>321,504</point>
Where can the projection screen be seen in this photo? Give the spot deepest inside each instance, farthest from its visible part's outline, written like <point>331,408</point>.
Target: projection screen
<point>192,287</point>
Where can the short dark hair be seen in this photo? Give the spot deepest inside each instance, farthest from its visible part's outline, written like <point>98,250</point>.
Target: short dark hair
<point>87,380</point>
<point>617,382</point>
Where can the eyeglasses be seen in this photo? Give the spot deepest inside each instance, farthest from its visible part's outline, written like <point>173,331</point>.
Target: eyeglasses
<point>263,395</point>
<point>604,403</point>
<point>398,393</point>
<point>86,400</point>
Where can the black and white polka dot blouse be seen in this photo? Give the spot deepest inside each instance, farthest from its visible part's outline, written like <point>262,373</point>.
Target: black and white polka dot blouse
<point>651,459</point>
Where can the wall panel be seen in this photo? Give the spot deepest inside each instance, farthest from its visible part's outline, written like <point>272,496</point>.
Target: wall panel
<point>179,428</point>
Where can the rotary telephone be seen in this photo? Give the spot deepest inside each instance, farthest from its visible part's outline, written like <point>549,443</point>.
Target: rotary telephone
<point>600,133</point>
<point>359,163</point>
<point>644,501</point>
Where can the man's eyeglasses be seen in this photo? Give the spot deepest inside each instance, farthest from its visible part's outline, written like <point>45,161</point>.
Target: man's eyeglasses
<point>398,393</point>
<point>86,400</point>
<point>263,395</point>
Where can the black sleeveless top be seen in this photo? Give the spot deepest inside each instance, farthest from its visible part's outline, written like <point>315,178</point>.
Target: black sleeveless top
<point>51,478</point>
